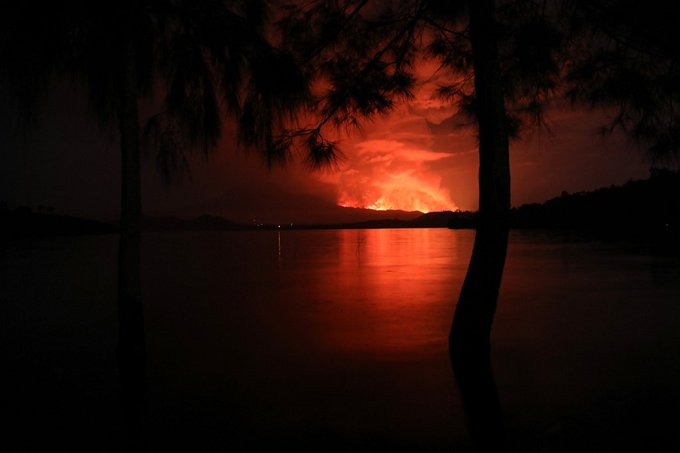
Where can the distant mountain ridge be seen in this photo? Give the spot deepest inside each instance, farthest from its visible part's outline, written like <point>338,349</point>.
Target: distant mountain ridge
<point>639,208</point>
<point>213,223</point>
<point>644,208</point>
<point>21,222</point>
<point>204,222</point>
<point>439,219</point>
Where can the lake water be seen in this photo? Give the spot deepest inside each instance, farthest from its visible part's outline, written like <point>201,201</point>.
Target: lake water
<point>336,339</point>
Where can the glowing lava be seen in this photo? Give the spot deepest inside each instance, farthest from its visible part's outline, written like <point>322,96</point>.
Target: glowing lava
<point>403,191</point>
<point>395,169</point>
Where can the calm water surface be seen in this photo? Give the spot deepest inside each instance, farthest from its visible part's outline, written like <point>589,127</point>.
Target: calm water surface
<point>337,338</point>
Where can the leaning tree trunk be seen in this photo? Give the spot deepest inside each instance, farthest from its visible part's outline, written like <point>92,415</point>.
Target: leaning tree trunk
<point>131,344</point>
<point>469,340</point>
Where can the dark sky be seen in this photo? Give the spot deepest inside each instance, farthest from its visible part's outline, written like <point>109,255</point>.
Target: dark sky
<point>413,159</point>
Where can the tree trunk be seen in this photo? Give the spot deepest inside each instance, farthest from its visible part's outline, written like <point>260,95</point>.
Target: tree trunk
<point>469,339</point>
<point>131,343</point>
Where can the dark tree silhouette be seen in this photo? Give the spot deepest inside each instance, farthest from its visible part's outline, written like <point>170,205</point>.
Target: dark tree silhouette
<point>469,339</point>
<point>198,60</point>
<point>624,58</point>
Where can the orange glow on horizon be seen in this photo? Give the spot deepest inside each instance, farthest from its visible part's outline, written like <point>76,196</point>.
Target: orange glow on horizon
<point>393,175</point>
<point>396,163</point>
<point>403,192</point>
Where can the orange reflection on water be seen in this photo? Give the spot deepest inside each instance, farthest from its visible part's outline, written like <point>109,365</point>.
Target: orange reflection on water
<point>386,291</point>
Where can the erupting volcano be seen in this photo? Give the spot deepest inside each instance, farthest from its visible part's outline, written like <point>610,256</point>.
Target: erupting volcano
<point>389,175</point>
<point>404,191</point>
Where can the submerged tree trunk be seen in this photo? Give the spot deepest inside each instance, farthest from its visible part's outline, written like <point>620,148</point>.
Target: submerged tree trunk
<point>131,343</point>
<point>469,339</point>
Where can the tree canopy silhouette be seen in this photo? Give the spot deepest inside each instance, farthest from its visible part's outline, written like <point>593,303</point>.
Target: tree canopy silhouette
<point>624,57</point>
<point>199,61</point>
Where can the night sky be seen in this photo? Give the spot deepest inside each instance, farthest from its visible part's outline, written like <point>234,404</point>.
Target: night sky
<point>414,159</point>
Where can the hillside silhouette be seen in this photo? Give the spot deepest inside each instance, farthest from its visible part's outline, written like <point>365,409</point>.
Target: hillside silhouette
<point>641,207</point>
<point>23,222</point>
<point>638,209</point>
